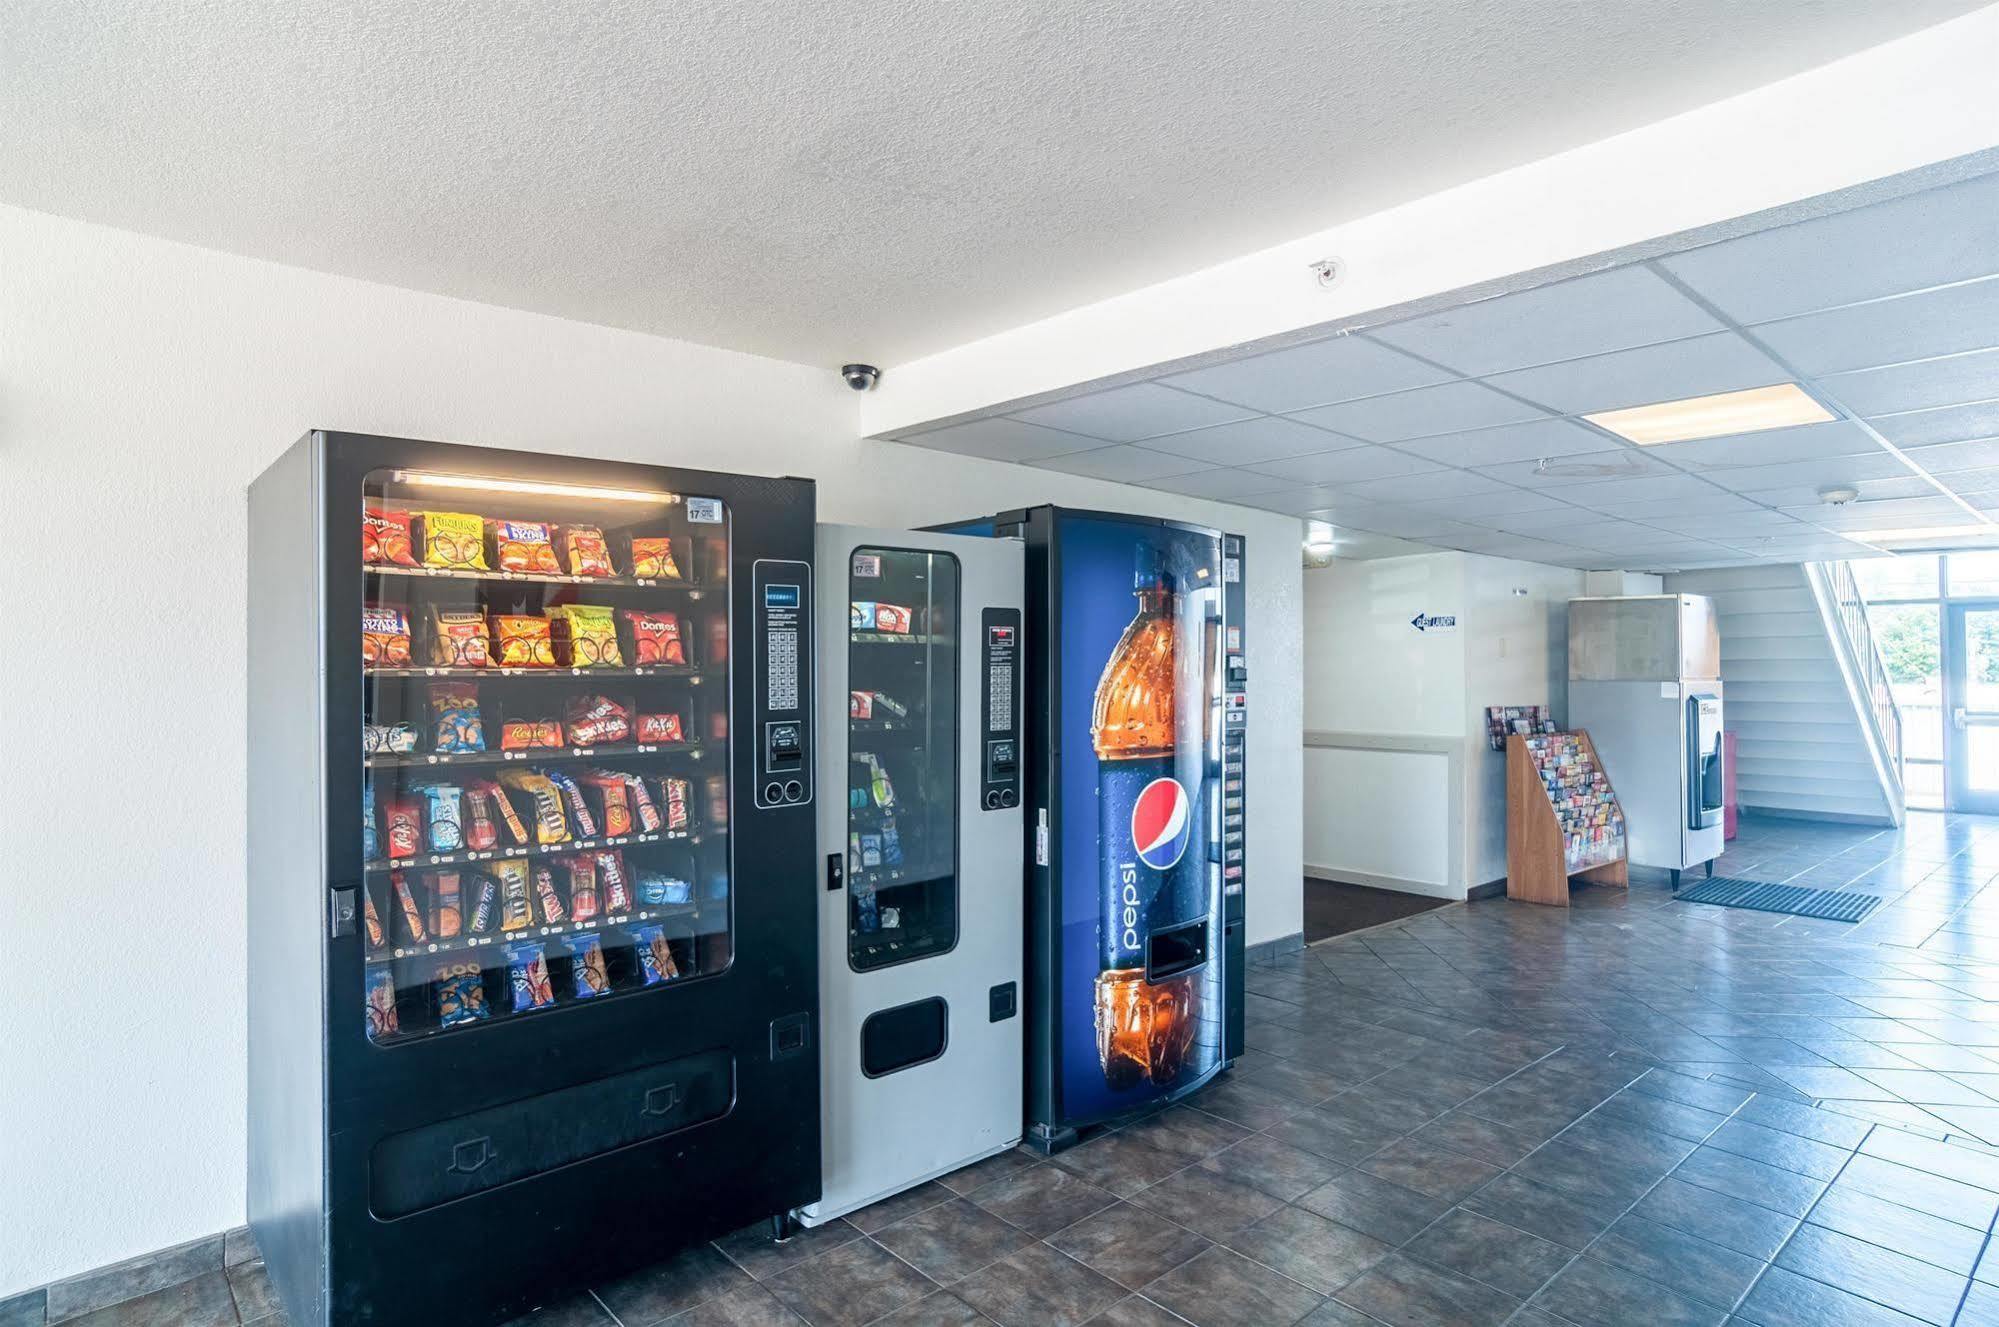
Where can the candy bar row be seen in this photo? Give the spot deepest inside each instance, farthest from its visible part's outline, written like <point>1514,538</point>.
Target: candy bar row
<point>458,990</point>
<point>430,907</point>
<point>457,725</point>
<point>461,541</point>
<point>566,636</point>
<point>481,814</point>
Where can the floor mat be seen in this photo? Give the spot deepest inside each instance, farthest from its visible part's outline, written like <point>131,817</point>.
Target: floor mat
<point>1335,908</point>
<point>1837,905</point>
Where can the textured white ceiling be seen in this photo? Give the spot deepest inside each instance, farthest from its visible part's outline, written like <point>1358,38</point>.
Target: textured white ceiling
<point>833,181</point>
<point>1460,429</point>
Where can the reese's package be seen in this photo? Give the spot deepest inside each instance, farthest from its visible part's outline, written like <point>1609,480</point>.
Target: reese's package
<point>452,539</point>
<point>530,734</point>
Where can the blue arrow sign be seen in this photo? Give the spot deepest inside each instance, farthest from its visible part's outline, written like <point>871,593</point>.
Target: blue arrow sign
<point>1423,622</point>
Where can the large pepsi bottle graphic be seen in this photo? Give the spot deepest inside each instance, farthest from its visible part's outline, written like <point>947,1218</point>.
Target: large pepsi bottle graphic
<point>1151,884</point>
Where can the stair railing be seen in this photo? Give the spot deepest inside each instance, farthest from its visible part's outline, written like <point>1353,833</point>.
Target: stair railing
<point>1844,609</point>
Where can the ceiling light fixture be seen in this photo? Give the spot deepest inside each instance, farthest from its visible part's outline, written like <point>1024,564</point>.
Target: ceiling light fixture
<point>1918,534</point>
<point>1785,405</point>
<point>1319,537</point>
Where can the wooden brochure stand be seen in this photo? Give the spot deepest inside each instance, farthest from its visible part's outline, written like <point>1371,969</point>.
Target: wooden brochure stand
<point>1548,843</point>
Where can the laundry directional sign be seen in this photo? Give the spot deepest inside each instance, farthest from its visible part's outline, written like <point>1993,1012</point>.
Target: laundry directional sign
<point>1425,621</point>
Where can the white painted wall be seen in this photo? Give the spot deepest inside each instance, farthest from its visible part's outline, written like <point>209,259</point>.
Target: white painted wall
<point>1368,670</point>
<point>145,383</point>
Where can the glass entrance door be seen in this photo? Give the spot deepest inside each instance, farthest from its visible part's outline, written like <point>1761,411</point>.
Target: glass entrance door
<point>1973,704</point>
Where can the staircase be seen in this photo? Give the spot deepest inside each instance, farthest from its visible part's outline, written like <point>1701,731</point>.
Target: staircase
<point>1807,740</point>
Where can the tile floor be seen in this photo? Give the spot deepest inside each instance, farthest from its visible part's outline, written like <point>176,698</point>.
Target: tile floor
<point>1630,1111</point>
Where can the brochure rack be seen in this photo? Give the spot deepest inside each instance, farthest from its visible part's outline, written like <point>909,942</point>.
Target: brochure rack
<point>1562,818</point>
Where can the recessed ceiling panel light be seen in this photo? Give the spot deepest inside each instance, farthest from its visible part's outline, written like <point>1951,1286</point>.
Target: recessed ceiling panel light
<point>1319,537</point>
<point>1782,406</point>
<point>1922,534</point>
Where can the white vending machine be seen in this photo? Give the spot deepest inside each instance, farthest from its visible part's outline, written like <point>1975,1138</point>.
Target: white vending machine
<point>920,833</point>
<point>1645,683</point>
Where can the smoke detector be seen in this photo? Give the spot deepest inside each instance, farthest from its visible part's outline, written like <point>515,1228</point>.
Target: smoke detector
<point>1838,495</point>
<point>1329,272</point>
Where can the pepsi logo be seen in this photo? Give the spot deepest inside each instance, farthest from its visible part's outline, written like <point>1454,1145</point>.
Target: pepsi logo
<point>1161,823</point>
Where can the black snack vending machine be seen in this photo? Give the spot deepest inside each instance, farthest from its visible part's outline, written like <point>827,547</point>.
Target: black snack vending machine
<point>1137,720</point>
<point>532,934</point>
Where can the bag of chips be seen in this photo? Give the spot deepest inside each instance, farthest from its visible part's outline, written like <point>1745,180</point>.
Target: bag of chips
<point>652,559</point>
<point>445,914</point>
<point>655,638</point>
<point>587,960</point>
<point>381,1004</point>
<point>654,954</point>
<point>385,636</point>
<point>527,976</point>
<point>550,824</point>
<point>455,723</point>
<point>596,719</point>
<point>461,993</point>
<point>586,636</point>
<point>453,539</point>
<point>458,638</point>
<point>589,554</point>
<point>524,546</point>
<point>660,728</point>
<point>384,739</point>
<point>386,538</point>
<point>529,734</point>
<point>523,642</point>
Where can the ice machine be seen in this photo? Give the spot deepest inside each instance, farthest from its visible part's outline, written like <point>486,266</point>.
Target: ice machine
<point>1645,682</point>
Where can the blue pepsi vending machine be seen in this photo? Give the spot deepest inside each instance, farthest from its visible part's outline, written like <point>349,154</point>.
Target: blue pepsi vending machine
<point>1136,710</point>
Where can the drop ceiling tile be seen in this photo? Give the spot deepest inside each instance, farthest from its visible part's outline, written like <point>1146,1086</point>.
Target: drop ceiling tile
<point>1346,467</point>
<point>1408,523</point>
<point>1760,521</point>
<point>1831,470</point>
<point>1951,423</point>
<point>1337,369</point>
<point>1839,437</point>
<point>1592,532</point>
<point>1589,315</point>
<point>1804,495</point>
<point>1924,385</point>
<point>1589,468</point>
<point>1536,550</point>
<point>1949,458</point>
<point>1421,488</point>
<point>1450,407</point>
<point>1889,513</point>
<point>1816,546</point>
<point>1695,504</point>
<point>1503,501</point>
<point>1124,464</point>
<point>1927,239</point>
<point>1552,518</point>
<point>1247,441</point>
<point>1295,499</point>
<point>1636,490</point>
<point>1510,442</point>
<point>1890,331</point>
<point>1702,365</point>
<point>1002,440</point>
<point>1127,414</point>
<point>1223,485</point>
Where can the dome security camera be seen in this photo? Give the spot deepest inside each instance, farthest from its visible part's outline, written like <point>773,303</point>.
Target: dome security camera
<point>861,377</point>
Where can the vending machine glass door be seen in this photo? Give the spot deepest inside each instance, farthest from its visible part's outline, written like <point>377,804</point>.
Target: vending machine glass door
<point>545,804</point>
<point>902,755</point>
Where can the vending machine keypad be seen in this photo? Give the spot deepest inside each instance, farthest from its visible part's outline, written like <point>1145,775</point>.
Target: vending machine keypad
<point>782,593</point>
<point>999,782</point>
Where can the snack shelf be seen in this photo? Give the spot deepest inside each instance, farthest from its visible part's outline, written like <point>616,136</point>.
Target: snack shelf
<point>896,638</point>
<point>913,938</point>
<point>688,671</point>
<point>528,755</point>
<point>681,921</point>
<point>522,850</point>
<point>871,726</point>
<point>884,877</point>
<point>694,588</point>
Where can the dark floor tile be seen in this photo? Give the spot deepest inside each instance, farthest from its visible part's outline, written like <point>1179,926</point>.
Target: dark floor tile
<point>576,1311</point>
<point>692,1276</point>
<point>1336,1137</point>
<point>745,1306</point>
<point>134,1278</point>
<point>1248,1104</point>
<point>888,1211</point>
<point>1203,1201</point>
<point>1374,1206</point>
<point>1682,1262</point>
<point>30,1308</point>
<point>753,1249</point>
<point>239,1246</point>
<point>1963,1203</point>
<point>1189,1133</point>
<point>1785,1299</point>
<point>1626,1143</point>
<point>1903,1229</point>
<point>1429,1168</point>
<point>1588,1291</point>
<point>1775,1147</point>
<point>1225,1289</point>
<point>1875,1273</point>
<point>1039,1287</point>
<point>951,1240</point>
<point>1136,1311</point>
<point>1436,1087</point>
<point>1309,1086</point>
<point>1690,1091</point>
<point>1667,1116</point>
<point>939,1308</point>
<point>250,1286</point>
<point>1821,1125</point>
<point>855,1283</point>
<point>1408,1293</point>
<point>1486,1140</point>
<point>1739,1177</point>
<point>981,1173</point>
<point>1965,1164</point>
<point>1042,1200</point>
<point>1553,1215</point>
<point>1308,1248</point>
<point>1123,1162</point>
<point>1489,1251</point>
<point>1129,1244</point>
<point>203,1301</point>
<point>1719,1218</point>
<point>1277,1168</point>
<point>1588,1175</point>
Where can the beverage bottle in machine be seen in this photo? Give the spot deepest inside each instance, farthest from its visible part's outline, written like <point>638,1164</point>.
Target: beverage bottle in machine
<point>1146,820</point>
